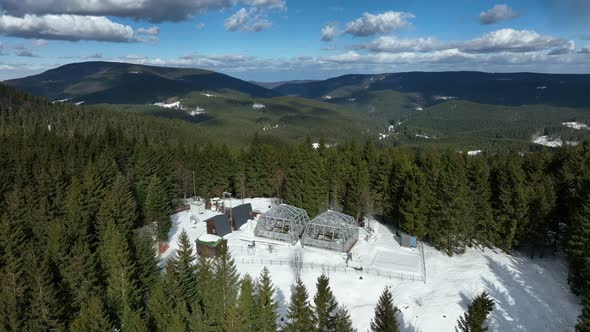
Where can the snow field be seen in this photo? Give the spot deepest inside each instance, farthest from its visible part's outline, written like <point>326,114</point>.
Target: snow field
<point>530,295</point>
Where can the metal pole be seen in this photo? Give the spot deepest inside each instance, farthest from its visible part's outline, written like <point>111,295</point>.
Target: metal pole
<point>194,185</point>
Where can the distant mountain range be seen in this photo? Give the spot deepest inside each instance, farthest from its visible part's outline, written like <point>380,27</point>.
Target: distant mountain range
<point>471,110</point>
<point>499,89</point>
<point>122,83</point>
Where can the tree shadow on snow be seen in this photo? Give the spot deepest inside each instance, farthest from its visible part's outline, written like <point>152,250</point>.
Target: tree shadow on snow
<point>403,326</point>
<point>525,303</point>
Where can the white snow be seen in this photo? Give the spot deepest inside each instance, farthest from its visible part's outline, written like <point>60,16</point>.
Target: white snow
<point>530,295</point>
<point>422,136</point>
<point>541,87</point>
<point>552,142</point>
<point>315,145</point>
<point>269,127</point>
<point>351,99</point>
<point>174,105</point>
<point>79,103</point>
<point>444,97</point>
<point>134,72</point>
<point>327,97</point>
<point>61,100</point>
<point>474,152</point>
<point>198,111</point>
<point>419,109</point>
<point>209,238</point>
<point>576,125</point>
<point>258,106</point>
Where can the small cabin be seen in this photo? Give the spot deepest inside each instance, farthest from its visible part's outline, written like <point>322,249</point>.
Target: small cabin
<point>210,245</point>
<point>219,225</point>
<point>240,215</point>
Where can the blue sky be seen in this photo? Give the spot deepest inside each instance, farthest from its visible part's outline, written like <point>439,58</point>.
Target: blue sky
<point>272,40</point>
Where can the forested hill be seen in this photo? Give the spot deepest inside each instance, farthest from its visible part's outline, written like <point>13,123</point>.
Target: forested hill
<point>78,208</point>
<point>486,88</point>
<point>123,83</point>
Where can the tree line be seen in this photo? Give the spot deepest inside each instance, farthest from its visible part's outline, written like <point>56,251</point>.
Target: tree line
<point>74,204</point>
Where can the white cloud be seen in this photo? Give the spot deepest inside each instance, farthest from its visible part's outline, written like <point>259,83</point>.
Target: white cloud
<point>247,21</point>
<point>65,27</point>
<point>271,4</point>
<point>585,50</point>
<point>504,40</point>
<point>40,43</point>
<point>370,24</point>
<point>510,40</point>
<point>328,32</point>
<point>22,51</point>
<point>200,26</point>
<point>496,14</point>
<point>152,31</point>
<point>149,10</point>
<point>394,45</point>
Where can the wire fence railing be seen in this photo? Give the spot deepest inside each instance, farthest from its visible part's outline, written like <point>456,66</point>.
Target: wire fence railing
<point>391,274</point>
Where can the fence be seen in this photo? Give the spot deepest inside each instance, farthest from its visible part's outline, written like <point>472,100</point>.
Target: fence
<point>335,268</point>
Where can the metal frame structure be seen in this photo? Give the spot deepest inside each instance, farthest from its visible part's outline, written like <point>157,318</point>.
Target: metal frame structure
<point>331,230</point>
<point>282,222</point>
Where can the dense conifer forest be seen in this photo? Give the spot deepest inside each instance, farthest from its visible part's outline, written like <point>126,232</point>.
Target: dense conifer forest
<point>80,190</point>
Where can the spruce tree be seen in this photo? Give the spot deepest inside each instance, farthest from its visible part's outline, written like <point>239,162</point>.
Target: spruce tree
<point>205,285</point>
<point>584,320</point>
<point>385,311</point>
<point>185,267</point>
<point>266,307</point>
<point>93,317</point>
<point>325,305</point>
<point>342,321</point>
<point>477,313</point>
<point>157,206</point>
<point>412,210</point>
<point>247,302</point>
<point>299,313</point>
<point>224,288</point>
<point>578,246</point>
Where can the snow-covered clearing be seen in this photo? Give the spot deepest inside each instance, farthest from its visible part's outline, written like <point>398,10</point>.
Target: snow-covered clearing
<point>174,105</point>
<point>474,152</point>
<point>530,295</point>
<point>423,136</point>
<point>257,106</point>
<point>552,142</point>
<point>576,125</point>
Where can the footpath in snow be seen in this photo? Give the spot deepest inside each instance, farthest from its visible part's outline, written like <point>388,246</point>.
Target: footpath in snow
<point>530,295</point>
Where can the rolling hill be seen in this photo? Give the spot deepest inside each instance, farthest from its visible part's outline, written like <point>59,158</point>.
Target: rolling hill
<point>122,83</point>
<point>512,89</point>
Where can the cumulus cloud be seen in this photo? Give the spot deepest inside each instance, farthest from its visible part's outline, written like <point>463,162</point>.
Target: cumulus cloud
<point>200,26</point>
<point>40,43</point>
<point>496,14</point>
<point>150,10</point>
<point>247,21</point>
<point>96,55</point>
<point>585,50</point>
<point>515,41</point>
<point>328,32</point>
<point>65,27</point>
<point>504,40</point>
<point>394,45</point>
<point>22,51</point>
<point>153,31</point>
<point>370,24</point>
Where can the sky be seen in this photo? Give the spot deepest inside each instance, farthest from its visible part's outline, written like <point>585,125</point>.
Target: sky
<point>277,40</point>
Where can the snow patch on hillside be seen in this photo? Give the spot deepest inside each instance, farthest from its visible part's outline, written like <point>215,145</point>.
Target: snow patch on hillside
<point>258,106</point>
<point>530,295</point>
<point>423,136</point>
<point>474,152</point>
<point>576,125</point>
<point>175,105</point>
<point>552,142</point>
<point>444,97</point>
<point>269,127</point>
<point>209,95</point>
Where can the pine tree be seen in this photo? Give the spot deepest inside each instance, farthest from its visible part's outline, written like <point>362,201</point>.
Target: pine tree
<point>266,307</point>
<point>119,207</point>
<point>225,288</point>
<point>157,206</point>
<point>205,284</point>
<point>578,246</point>
<point>185,267</point>
<point>46,308</point>
<point>477,313</point>
<point>247,302</point>
<point>584,320</point>
<point>325,305</point>
<point>385,311</point>
<point>412,211</point>
<point>342,321</point>
<point>93,317</point>
<point>478,174</point>
<point>299,313</point>
<point>232,321</point>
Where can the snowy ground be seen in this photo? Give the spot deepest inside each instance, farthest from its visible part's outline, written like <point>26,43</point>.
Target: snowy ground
<point>552,142</point>
<point>576,125</point>
<point>531,295</point>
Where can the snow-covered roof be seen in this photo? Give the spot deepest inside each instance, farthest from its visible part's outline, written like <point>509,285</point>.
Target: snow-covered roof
<point>209,238</point>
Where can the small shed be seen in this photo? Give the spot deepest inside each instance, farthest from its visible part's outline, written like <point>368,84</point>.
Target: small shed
<point>282,222</point>
<point>240,215</point>
<point>210,245</point>
<point>408,241</point>
<point>218,225</point>
<point>197,206</point>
